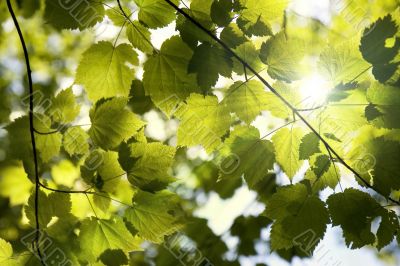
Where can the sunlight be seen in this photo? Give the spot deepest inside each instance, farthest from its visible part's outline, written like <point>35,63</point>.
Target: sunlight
<point>314,90</point>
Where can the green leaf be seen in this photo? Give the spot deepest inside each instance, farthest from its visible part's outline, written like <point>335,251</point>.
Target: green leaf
<point>221,12</point>
<point>341,63</point>
<point>297,215</point>
<point>48,145</point>
<point>102,170</point>
<point>98,235</point>
<point>232,36</point>
<point>354,211</point>
<point>57,205</point>
<point>309,145</point>
<point>208,62</point>
<point>374,50</point>
<point>203,122</point>
<point>103,70</point>
<point>256,16</point>
<point>283,57</point>
<point>243,150</point>
<point>377,160</point>
<point>156,13</point>
<point>64,108</point>
<point>6,253</point>
<point>73,14</point>
<point>112,122</point>
<point>385,101</point>
<point>139,102</point>
<point>246,99</point>
<point>287,144</point>
<point>14,184</point>
<point>155,215</point>
<point>165,76</point>
<point>248,52</point>
<point>147,164</point>
<point>326,175</point>
<point>140,37</point>
<point>75,141</point>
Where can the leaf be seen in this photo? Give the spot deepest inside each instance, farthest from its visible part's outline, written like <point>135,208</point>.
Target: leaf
<point>309,145</point>
<point>102,170</point>
<point>14,184</point>
<point>341,63</point>
<point>155,215</point>
<point>73,14</point>
<point>156,13</point>
<point>75,141</point>
<point>57,205</point>
<point>65,173</point>
<point>6,253</point>
<point>64,108</point>
<point>147,164</point>
<point>48,145</point>
<point>140,37</point>
<point>221,12</point>
<point>287,144</point>
<point>165,76</point>
<point>103,70</point>
<point>232,35</point>
<point>246,99</point>
<point>98,235</point>
<point>354,211</point>
<point>377,159</point>
<point>260,14</point>
<point>283,57</point>
<point>374,50</point>
<point>248,52</point>
<point>208,62</point>
<point>243,150</point>
<point>322,173</point>
<point>385,109</point>
<point>297,215</point>
<point>112,123</point>
<point>204,119</point>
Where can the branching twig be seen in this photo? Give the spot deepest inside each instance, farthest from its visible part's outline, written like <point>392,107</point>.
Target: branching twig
<point>31,129</point>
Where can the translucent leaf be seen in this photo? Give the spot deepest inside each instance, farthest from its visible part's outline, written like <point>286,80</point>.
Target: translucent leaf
<point>203,122</point>
<point>147,164</point>
<point>208,62</point>
<point>354,211</point>
<point>98,235</point>
<point>112,122</point>
<point>287,143</point>
<point>104,71</point>
<point>246,99</point>
<point>309,145</point>
<point>64,108</point>
<point>235,156</point>
<point>155,215</point>
<point>165,76</point>
<point>73,14</point>
<point>156,13</point>
<point>6,253</point>
<point>75,141</point>
<point>283,56</point>
<point>140,37</point>
<point>14,184</point>
<point>298,216</point>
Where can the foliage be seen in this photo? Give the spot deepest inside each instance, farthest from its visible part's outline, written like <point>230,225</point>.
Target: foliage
<point>100,182</point>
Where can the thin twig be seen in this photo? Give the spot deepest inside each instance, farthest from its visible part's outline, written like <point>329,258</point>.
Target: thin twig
<point>31,129</point>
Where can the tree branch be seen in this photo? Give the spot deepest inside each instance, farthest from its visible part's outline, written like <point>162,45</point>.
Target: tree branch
<point>274,91</point>
<point>31,129</point>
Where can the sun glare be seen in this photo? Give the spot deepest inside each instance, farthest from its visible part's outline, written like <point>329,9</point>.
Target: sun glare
<point>314,90</point>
